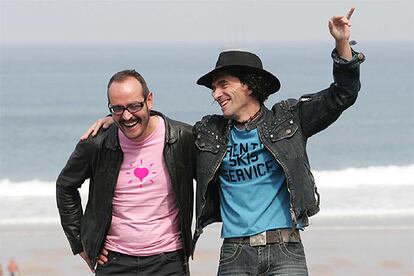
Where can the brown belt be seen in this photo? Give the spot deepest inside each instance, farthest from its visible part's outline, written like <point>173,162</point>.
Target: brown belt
<point>275,236</point>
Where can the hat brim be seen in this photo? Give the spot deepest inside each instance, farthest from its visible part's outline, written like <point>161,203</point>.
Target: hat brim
<point>274,82</point>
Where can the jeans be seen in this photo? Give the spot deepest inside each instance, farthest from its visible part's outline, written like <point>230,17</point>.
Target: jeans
<point>274,259</point>
<point>167,263</point>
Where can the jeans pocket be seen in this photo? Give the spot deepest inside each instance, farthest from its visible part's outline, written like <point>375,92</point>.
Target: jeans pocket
<point>229,252</point>
<point>293,250</point>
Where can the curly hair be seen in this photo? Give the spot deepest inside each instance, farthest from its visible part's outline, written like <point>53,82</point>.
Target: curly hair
<point>256,83</point>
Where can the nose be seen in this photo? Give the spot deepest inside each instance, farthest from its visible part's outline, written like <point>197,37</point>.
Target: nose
<point>216,93</point>
<point>126,115</point>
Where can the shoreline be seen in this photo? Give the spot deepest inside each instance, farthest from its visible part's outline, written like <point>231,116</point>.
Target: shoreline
<point>374,245</point>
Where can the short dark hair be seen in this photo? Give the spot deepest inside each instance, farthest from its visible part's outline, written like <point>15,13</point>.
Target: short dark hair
<point>255,82</point>
<point>129,73</point>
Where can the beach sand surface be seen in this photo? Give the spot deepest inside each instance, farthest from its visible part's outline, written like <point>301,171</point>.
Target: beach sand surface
<point>347,246</point>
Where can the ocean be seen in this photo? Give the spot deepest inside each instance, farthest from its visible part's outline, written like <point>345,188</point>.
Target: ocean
<point>49,95</point>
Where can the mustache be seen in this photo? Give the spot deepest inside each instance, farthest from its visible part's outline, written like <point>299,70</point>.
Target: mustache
<point>139,120</point>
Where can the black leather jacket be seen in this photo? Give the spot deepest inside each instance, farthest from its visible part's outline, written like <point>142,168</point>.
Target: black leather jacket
<point>99,159</point>
<point>284,131</point>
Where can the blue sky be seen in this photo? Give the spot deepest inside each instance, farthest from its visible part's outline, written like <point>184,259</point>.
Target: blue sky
<point>227,22</point>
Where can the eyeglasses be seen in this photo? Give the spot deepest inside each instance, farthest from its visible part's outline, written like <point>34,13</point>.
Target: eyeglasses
<point>132,108</point>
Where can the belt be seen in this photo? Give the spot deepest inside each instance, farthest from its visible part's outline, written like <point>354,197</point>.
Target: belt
<point>275,236</point>
<point>134,258</point>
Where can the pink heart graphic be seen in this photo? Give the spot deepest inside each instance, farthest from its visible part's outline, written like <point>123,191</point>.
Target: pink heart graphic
<point>141,173</point>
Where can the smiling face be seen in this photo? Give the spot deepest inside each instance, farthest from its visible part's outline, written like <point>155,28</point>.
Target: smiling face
<point>234,97</point>
<point>138,125</point>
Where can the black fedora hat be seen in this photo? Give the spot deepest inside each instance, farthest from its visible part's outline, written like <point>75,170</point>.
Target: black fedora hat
<point>240,61</point>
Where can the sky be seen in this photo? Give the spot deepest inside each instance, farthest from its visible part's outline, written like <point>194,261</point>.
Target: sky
<point>196,21</point>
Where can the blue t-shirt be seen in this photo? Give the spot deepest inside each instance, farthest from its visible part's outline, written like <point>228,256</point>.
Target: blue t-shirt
<point>253,194</point>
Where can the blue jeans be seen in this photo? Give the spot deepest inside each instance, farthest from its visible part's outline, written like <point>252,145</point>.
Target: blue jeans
<point>167,263</point>
<point>274,259</point>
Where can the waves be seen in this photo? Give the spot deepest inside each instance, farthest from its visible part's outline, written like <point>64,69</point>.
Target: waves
<point>31,202</point>
<point>370,176</point>
<point>31,188</point>
<point>371,191</point>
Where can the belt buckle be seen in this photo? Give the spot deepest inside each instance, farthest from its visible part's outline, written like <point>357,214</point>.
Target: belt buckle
<point>258,239</point>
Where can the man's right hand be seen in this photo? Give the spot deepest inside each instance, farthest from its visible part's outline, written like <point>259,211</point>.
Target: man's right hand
<point>87,260</point>
<point>94,128</point>
<point>103,257</point>
<point>340,29</point>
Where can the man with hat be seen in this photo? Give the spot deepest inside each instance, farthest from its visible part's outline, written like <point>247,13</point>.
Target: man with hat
<point>253,172</point>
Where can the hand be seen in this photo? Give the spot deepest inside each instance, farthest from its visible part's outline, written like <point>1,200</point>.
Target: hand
<point>87,260</point>
<point>339,26</point>
<point>94,128</point>
<point>102,259</point>
<point>340,29</point>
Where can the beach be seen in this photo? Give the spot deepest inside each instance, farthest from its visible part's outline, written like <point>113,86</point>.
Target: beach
<point>362,168</point>
<point>362,245</point>
<point>57,57</point>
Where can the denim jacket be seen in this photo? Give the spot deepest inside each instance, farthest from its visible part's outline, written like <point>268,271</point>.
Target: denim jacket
<point>284,131</point>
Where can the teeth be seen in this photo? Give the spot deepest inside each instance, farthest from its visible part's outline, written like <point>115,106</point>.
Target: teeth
<point>223,103</point>
<point>130,124</point>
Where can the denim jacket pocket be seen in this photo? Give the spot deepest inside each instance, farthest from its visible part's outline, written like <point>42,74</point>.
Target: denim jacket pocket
<point>283,132</point>
<point>208,143</point>
<point>287,140</point>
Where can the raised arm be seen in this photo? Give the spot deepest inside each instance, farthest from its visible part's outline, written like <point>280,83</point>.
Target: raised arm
<point>340,29</point>
<point>319,110</point>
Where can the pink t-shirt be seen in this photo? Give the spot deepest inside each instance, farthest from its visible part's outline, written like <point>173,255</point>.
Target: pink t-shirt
<point>144,212</point>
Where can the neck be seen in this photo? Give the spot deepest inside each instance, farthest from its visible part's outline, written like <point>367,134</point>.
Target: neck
<point>150,128</point>
<point>248,117</point>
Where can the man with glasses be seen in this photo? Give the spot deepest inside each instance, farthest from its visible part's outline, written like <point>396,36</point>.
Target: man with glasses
<point>140,200</point>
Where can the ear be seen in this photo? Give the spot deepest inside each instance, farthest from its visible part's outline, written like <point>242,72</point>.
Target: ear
<point>246,89</point>
<point>149,100</point>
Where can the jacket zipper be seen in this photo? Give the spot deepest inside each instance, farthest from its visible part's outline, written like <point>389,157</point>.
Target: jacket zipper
<point>198,230</point>
<point>175,193</point>
<point>292,212</point>
<point>180,209</point>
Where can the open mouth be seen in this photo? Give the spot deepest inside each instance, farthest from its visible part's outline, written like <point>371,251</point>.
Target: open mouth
<point>223,103</point>
<point>130,124</point>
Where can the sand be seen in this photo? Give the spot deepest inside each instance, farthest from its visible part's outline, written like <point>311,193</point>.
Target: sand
<point>346,246</point>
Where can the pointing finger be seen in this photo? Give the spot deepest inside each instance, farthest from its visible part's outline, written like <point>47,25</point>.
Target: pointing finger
<point>349,14</point>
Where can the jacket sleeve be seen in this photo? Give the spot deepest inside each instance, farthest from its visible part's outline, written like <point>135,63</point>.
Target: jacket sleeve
<point>76,171</point>
<point>317,111</point>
